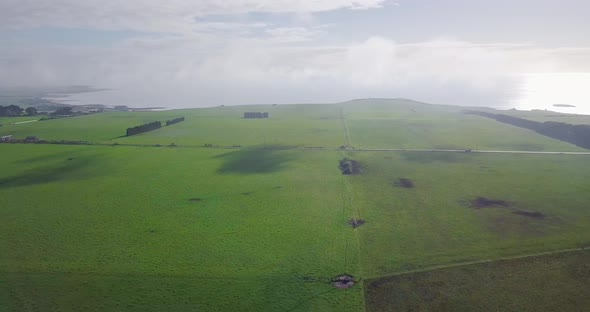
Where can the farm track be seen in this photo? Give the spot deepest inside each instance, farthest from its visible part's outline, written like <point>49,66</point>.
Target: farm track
<point>24,122</point>
<point>345,128</point>
<point>318,148</point>
<point>355,209</point>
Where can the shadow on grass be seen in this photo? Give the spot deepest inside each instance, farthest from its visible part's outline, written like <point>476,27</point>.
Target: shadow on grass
<point>68,170</point>
<point>251,161</point>
<point>46,157</point>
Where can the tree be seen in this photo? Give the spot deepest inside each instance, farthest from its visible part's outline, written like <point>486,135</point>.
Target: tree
<point>63,111</point>
<point>10,111</point>
<point>31,111</point>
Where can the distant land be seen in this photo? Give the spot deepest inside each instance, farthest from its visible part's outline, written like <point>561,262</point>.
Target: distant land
<point>49,99</point>
<point>563,105</point>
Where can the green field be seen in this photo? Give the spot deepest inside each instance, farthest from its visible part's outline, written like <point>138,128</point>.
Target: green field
<point>370,124</point>
<point>258,222</point>
<point>433,224</point>
<point>292,125</point>
<point>120,216</point>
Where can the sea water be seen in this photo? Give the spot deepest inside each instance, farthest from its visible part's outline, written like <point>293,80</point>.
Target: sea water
<point>524,92</point>
<point>544,91</point>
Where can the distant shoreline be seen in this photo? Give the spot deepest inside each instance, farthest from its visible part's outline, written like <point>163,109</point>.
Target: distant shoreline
<point>63,98</point>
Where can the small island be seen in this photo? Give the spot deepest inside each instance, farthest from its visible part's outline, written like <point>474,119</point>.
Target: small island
<point>563,105</point>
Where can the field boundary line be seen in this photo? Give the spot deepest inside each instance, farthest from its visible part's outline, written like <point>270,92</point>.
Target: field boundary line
<point>304,148</point>
<point>467,263</point>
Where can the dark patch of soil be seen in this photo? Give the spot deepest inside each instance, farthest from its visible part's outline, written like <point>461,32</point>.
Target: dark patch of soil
<point>195,199</point>
<point>278,187</point>
<point>343,281</point>
<point>482,202</point>
<point>247,193</point>
<point>403,182</point>
<point>356,222</point>
<point>349,166</point>
<point>70,158</point>
<point>530,214</point>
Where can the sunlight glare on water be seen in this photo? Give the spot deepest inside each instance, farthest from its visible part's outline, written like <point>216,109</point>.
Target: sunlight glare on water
<point>543,91</point>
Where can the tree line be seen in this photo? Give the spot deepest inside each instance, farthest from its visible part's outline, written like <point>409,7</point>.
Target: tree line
<point>576,134</point>
<point>174,121</point>
<point>15,111</point>
<point>151,126</point>
<point>144,128</point>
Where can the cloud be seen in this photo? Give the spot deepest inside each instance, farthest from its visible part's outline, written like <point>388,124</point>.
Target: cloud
<point>292,34</point>
<point>206,69</point>
<point>171,16</point>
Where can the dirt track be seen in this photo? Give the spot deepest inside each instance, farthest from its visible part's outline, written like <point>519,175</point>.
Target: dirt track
<point>319,148</point>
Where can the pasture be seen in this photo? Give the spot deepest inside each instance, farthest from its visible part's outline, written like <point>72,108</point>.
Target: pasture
<point>263,218</point>
<point>134,229</point>
<point>435,222</point>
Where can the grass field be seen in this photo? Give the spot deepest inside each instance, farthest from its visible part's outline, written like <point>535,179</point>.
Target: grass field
<point>370,124</point>
<point>409,124</point>
<point>291,125</point>
<point>146,228</point>
<point>269,230</point>
<point>433,223</point>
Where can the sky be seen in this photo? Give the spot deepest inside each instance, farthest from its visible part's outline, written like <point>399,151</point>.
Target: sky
<point>193,53</point>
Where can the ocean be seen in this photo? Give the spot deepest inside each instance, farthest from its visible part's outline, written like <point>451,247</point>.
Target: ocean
<point>543,91</point>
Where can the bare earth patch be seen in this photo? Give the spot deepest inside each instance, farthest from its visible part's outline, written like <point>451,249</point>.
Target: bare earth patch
<point>349,166</point>
<point>195,199</point>
<point>356,222</point>
<point>343,281</point>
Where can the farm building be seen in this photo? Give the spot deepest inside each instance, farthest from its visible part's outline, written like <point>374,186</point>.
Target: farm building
<point>250,115</point>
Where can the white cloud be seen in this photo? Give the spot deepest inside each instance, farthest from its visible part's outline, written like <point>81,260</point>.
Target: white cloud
<point>292,34</point>
<point>205,69</point>
<point>203,48</point>
<point>171,16</point>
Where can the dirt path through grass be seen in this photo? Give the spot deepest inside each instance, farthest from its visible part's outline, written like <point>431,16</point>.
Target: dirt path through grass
<point>308,148</point>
